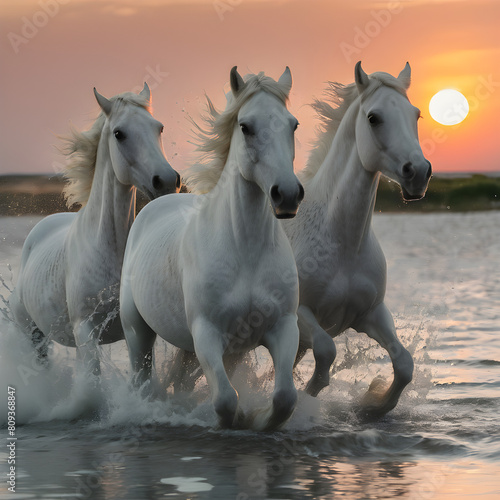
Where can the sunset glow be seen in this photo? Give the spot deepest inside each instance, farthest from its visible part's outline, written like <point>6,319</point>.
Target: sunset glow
<point>53,57</point>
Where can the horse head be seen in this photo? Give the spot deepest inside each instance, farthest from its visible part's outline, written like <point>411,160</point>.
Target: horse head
<point>263,136</point>
<point>134,142</point>
<point>386,131</point>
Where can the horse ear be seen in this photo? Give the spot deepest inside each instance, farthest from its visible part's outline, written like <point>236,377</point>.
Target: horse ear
<point>405,76</point>
<point>236,81</point>
<point>105,104</point>
<point>286,80</point>
<point>145,92</point>
<point>361,78</point>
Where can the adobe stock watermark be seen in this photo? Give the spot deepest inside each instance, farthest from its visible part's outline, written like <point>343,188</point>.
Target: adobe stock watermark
<point>363,36</point>
<point>222,7</point>
<point>154,77</point>
<point>430,482</point>
<point>31,26</point>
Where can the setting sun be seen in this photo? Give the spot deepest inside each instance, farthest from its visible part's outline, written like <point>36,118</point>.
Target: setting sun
<point>449,107</point>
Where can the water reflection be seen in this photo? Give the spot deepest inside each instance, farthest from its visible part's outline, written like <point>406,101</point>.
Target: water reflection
<point>114,464</point>
<point>442,441</point>
<point>322,478</point>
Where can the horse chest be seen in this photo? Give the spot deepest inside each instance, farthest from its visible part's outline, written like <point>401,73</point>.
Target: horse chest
<point>247,296</point>
<point>347,296</point>
<point>249,318</point>
<point>246,305</point>
<point>96,267</point>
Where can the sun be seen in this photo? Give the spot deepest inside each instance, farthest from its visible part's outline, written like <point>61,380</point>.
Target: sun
<point>449,107</point>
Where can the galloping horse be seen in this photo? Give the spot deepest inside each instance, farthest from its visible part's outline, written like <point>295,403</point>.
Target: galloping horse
<point>198,267</point>
<point>71,262</point>
<point>341,266</point>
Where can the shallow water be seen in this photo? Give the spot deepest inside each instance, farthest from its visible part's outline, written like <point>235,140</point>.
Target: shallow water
<point>442,440</point>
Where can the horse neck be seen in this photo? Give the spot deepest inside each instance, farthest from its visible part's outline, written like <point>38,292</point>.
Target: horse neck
<point>348,190</point>
<point>242,208</point>
<point>110,210</point>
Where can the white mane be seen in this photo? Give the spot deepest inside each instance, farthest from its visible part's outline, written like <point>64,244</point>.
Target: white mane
<point>213,142</point>
<point>80,148</point>
<point>341,96</point>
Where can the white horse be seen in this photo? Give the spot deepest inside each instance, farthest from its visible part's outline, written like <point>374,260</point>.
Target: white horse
<point>71,262</point>
<point>342,269</point>
<point>207,272</point>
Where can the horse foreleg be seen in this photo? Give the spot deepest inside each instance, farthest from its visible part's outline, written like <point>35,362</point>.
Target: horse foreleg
<point>379,325</point>
<point>323,349</point>
<point>41,344</point>
<point>87,387</point>
<point>282,342</point>
<point>87,348</point>
<point>209,349</point>
<point>184,371</point>
<point>38,339</point>
<point>140,340</point>
<point>301,352</point>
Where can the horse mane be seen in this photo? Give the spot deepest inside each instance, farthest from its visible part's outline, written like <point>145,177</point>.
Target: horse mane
<point>80,149</point>
<point>213,140</point>
<point>331,111</point>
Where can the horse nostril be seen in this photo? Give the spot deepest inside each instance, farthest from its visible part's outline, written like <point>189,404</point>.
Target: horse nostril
<point>429,172</point>
<point>408,171</point>
<point>178,181</point>
<point>301,193</point>
<point>276,195</point>
<point>157,183</point>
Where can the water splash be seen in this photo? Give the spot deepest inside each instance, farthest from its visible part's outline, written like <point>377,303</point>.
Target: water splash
<point>61,393</point>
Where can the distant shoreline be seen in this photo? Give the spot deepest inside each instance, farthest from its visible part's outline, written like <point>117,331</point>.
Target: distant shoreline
<point>446,192</point>
<point>42,194</point>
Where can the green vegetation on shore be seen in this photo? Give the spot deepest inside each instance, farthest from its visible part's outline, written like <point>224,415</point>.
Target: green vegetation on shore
<point>42,195</point>
<point>459,194</point>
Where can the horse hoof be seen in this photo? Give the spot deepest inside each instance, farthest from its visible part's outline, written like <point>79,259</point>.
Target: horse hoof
<point>375,403</point>
<point>274,416</point>
<point>238,422</point>
<point>314,387</point>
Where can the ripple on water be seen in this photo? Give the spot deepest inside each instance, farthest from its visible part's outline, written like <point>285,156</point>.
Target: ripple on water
<point>375,443</point>
<point>188,484</point>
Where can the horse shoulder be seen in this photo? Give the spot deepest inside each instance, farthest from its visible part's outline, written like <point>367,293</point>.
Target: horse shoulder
<point>161,214</point>
<point>43,249</point>
<point>153,264</point>
<point>308,231</point>
<point>373,264</point>
<point>41,285</point>
<point>51,229</point>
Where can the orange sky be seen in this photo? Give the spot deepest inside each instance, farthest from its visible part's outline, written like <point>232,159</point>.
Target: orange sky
<point>184,48</point>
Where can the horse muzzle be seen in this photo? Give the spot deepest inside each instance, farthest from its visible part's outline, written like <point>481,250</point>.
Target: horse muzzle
<point>411,197</point>
<point>285,202</point>
<point>414,180</point>
<point>161,185</point>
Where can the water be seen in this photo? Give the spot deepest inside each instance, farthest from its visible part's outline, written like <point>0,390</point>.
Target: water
<point>442,441</point>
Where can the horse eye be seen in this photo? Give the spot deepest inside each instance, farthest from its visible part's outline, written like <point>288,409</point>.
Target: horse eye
<point>244,128</point>
<point>296,125</point>
<point>374,119</point>
<point>119,135</point>
<point>161,130</point>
